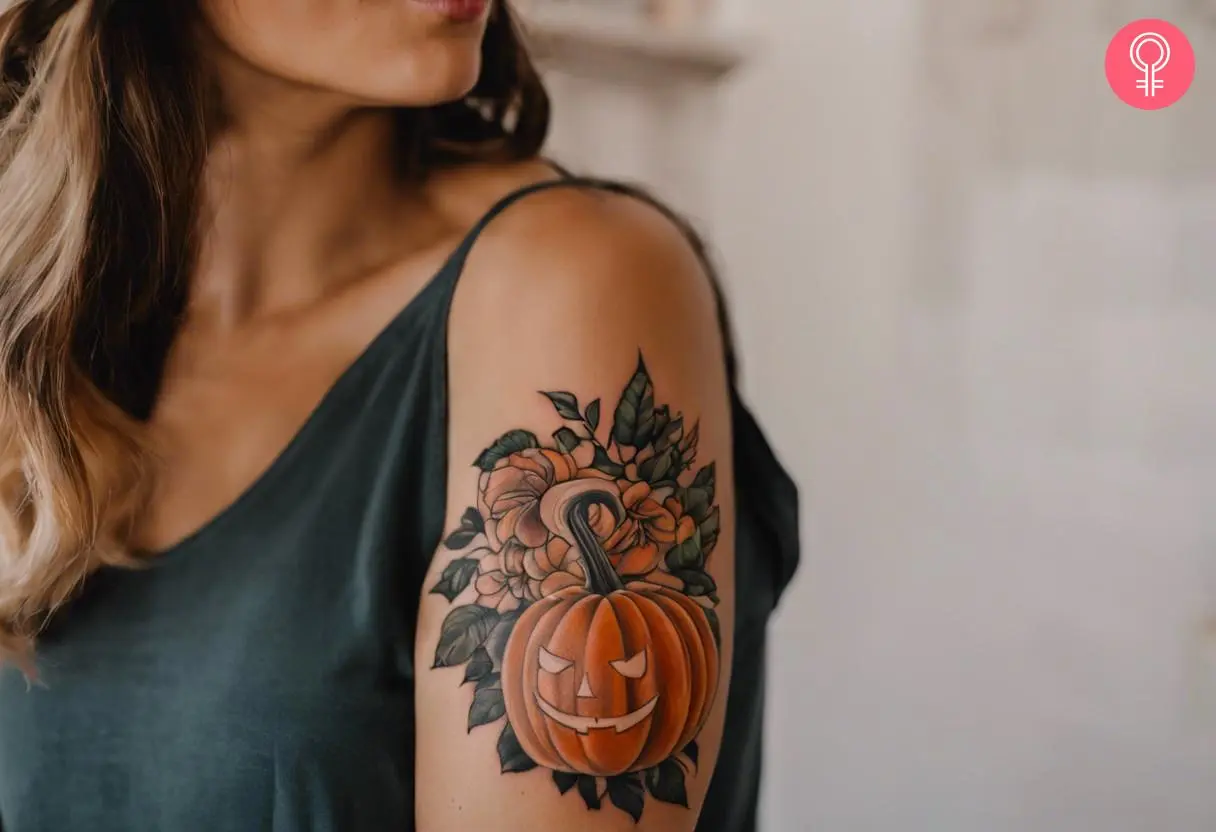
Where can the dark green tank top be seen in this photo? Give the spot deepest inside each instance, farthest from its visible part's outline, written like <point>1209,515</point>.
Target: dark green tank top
<point>260,674</point>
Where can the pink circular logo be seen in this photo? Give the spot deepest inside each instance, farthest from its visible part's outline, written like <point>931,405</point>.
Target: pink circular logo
<point>1150,64</point>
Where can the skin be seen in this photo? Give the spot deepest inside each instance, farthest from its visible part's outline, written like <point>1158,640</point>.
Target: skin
<point>309,248</point>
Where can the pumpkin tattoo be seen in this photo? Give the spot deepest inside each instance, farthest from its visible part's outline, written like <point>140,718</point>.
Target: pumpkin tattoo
<point>583,613</point>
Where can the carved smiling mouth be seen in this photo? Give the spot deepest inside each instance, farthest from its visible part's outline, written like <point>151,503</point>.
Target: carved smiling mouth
<point>584,724</point>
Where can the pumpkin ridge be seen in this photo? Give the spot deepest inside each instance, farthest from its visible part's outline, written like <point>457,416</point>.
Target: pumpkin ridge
<point>606,628</point>
<point>515,668</point>
<point>713,659</point>
<point>698,665</point>
<point>654,669</point>
<point>679,680</point>
<point>569,637</point>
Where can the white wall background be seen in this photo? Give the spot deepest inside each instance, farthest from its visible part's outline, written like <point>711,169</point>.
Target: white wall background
<point>977,302</point>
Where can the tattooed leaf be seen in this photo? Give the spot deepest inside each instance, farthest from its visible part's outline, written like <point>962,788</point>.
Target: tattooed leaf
<point>479,666</point>
<point>691,751</point>
<point>592,415</point>
<point>511,755</point>
<point>634,421</point>
<point>686,555</point>
<point>688,445</point>
<point>705,478</point>
<point>709,532</point>
<point>589,791</point>
<point>697,501</point>
<point>504,446</point>
<point>669,435</point>
<point>488,706</point>
<point>496,642</point>
<point>471,525</point>
<point>625,792</point>
<point>662,418</point>
<point>603,462</point>
<point>456,577</point>
<point>459,539</point>
<point>463,631</point>
<point>665,782</point>
<point>490,680</point>
<point>716,627</point>
<point>565,781</point>
<point>472,519</point>
<point>566,405</point>
<point>566,439</point>
<point>697,582</point>
<point>659,467</point>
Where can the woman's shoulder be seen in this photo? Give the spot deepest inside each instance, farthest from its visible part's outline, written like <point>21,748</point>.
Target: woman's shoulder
<point>573,243</point>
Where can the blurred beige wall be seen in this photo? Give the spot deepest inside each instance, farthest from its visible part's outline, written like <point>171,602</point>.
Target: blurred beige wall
<point>976,297</point>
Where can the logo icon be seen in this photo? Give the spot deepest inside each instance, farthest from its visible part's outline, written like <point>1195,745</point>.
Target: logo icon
<point>1150,64</point>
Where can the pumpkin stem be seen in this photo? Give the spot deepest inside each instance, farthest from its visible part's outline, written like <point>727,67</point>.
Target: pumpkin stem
<point>602,579</point>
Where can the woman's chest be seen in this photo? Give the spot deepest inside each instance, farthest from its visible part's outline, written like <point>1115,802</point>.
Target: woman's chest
<point>167,695</point>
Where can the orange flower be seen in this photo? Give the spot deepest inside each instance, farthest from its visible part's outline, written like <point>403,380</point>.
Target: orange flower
<point>637,546</point>
<point>509,496</point>
<point>554,566</point>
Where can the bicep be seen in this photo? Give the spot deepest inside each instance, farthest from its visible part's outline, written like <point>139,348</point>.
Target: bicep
<point>576,622</point>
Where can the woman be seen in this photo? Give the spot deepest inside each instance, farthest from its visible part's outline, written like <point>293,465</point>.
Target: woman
<point>357,470</point>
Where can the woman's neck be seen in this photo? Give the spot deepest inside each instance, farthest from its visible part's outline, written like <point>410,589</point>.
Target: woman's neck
<point>300,192</point>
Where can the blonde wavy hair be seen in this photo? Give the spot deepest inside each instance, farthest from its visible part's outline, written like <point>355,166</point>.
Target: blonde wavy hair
<point>104,118</point>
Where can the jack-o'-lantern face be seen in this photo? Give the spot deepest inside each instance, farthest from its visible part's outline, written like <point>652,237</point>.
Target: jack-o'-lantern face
<point>558,673</point>
<point>605,684</point>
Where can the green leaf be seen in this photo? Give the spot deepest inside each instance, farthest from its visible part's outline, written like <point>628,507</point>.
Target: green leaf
<point>686,555</point>
<point>490,680</point>
<point>463,631</point>
<point>691,751</point>
<point>603,462</point>
<point>665,782</point>
<point>662,418</point>
<point>507,444</point>
<point>633,425</point>
<point>456,577</point>
<point>460,538</point>
<point>511,754</point>
<point>688,445</point>
<point>716,626</point>
<point>697,582</point>
<point>670,435</point>
<point>496,642</point>
<point>709,532</point>
<point>565,781</point>
<point>566,439</point>
<point>566,405</point>
<point>665,467</point>
<point>479,666</point>
<point>472,519</point>
<point>589,791</point>
<point>626,793</point>
<point>706,476</point>
<point>488,706</point>
<point>592,415</point>
<point>697,501</point>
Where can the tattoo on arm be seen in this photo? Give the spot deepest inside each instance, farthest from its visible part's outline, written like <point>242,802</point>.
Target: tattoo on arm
<point>584,616</point>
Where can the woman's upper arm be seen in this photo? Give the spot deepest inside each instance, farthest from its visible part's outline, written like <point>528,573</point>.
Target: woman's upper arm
<point>575,626</point>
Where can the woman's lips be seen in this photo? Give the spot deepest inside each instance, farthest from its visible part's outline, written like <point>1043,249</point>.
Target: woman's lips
<point>461,11</point>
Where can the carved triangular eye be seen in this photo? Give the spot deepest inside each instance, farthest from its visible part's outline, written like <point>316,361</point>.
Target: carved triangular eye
<point>552,663</point>
<point>631,668</point>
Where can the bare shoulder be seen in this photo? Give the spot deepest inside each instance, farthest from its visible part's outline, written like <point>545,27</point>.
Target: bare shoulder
<point>580,247</point>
